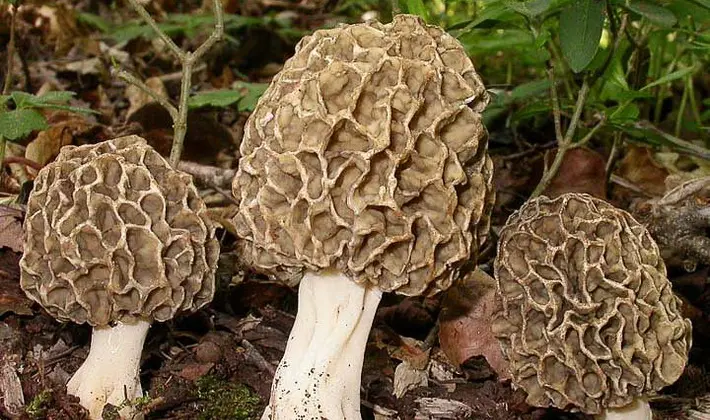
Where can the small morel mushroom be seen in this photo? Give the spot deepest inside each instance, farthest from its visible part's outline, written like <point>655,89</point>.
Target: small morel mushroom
<point>116,238</point>
<point>364,169</point>
<point>589,321</point>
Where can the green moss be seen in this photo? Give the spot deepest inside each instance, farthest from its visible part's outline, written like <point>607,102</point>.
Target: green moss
<point>226,400</point>
<point>38,406</point>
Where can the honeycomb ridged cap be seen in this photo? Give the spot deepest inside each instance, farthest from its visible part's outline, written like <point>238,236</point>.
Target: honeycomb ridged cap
<point>114,233</point>
<point>589,320</point>
<point>368,154</point>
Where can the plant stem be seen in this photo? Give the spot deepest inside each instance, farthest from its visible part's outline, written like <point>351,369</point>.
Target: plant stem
<point>566,143</point>
<point>10,54</point>
<point>3,145</point>
<point>179,53</point>
<point>694,106</point>
<point>187,61</point>
<point>131,79</point>
<point>555,105</point>
<point>688,147</point>
<point>681,111</point>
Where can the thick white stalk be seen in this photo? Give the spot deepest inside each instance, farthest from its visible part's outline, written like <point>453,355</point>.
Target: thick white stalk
<point>110,372</point>
<point>319,375</point>
<point>637,410</point>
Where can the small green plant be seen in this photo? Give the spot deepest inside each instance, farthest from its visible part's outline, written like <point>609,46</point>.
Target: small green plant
<point>112,412</point>
<point>607,71</point>
<point>20,114</point>
<point>243,94</point>
<point>226,400</point>
<point>37,408</point>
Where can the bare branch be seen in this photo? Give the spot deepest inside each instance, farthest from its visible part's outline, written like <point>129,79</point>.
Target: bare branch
<point>188,62</point>
<point>179,53</point>
<point>129,78</point>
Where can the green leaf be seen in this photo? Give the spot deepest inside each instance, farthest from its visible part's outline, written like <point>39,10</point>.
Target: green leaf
<point>530,89</point>
<point>705,4</point>
<point>531,8</point>
<point>215,98</point>
<point>417,7</point>
<point>492,11</point>
<point>244,94</point>
<point>252,92</point>
<point>654,13</point>
<point>50,100</point>
<point>624,113</point>
<point>94,20</point>
<point>19,123</point>
<point>580,31</point>
<point>56,97</point>
<point>22,99</point>
<point>678,74</point>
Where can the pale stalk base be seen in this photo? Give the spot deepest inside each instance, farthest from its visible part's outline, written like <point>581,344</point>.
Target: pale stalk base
<point>637,410</point>
<point>110,372</point>
<point>319,375</point>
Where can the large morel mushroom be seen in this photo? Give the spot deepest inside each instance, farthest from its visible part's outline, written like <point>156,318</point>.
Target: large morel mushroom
<point>589,321</point>
<point>116,238</point>
<point>364,169</point>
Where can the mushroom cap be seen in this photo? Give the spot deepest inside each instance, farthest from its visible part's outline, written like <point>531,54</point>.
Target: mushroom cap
<point>114,233</point>
<point>368,154</point>
<point>589,320</point>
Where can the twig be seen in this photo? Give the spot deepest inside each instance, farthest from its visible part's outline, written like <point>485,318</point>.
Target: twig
<point>255,357</point>
<point>10,51</point>
<point>688,147</point>
<point>187,60</point>
<point>555,104</point>
<point>616,179</point>
<point>20,160</point>
<point>566,143</point>
<point>180,54</point>
<point>208,174</point>
<point>129,78</point>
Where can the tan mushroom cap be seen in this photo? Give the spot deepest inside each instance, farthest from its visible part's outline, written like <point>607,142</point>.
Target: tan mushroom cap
<point>367,153</point>
<point>113,233</point>
<point>589,319</point>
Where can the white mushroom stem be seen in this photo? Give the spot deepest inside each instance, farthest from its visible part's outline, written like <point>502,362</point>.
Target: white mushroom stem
<point>319,375</point>
<point>110,372</point>
<point>637,410</point>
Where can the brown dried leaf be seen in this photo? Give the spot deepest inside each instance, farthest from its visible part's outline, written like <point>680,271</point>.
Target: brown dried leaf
<point>195,371</point>
<point>12,298</point>
<point>465,319</point>
<point>582,171</point>
<point>639,167</point>
<point>11,228</point>
<point>45,147</point>
<point>138,98</point>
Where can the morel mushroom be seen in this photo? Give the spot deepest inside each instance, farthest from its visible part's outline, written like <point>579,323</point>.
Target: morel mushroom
<point>364,169</point>
<point>116,238</point>
<point>589,321</point>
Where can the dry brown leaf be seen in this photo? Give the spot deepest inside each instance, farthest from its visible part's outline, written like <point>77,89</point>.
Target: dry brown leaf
<point>195,371</point>
<point>10,228</point>
<point>582,171</point>
<point>45,147</point>
<point>60,25</point>
<point>137,98</point>
<point>639,167</point>
<point>465,319</point>
<point>408,377</point>
<point>12,298</point>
